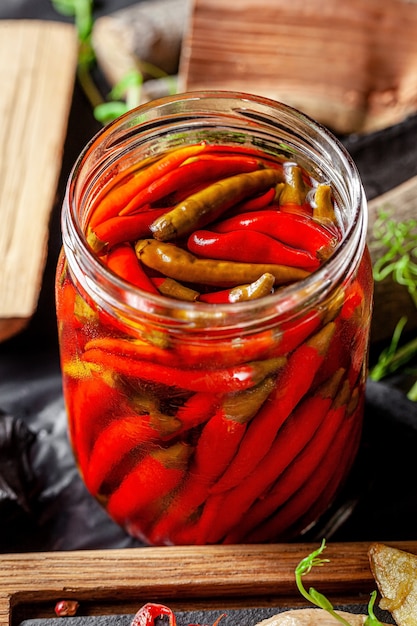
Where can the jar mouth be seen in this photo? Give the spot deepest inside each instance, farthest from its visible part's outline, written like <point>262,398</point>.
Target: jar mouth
<point>199,112</point>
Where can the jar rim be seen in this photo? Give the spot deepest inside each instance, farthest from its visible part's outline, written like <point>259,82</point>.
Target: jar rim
<point>135,301</point>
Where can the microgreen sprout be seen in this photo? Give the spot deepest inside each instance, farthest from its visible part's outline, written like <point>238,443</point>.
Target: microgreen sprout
<point>126,94</point>
<point>318,599</point>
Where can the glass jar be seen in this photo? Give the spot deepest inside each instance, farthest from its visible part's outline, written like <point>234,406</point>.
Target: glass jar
<point>197,422</point>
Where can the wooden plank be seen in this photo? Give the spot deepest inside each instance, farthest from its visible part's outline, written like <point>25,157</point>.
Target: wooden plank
<point>37,69</point>
<point>188,577</point>
<point>335,61</point>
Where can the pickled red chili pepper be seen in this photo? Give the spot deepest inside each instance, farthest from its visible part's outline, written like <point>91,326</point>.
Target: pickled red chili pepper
<point>119,196</point>
<point>291,439</point>
<point>215,447</point>
<point>133,349</point>
<point>200,171</point>
<point>323,482</point>
<point>87,400</point>
<point>258,202</point>
<point>330,412</point>
<point>122,261</point>
<point>289,390</point>
<point>122,229</point>
<point>122,435</point>
<point>222,380</point>
<point>290,228</point>
<point>190,355</point>
<point>249,247</point>
<point>154,477</point>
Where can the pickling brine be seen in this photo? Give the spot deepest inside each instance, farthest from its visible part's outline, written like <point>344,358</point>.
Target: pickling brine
<point>213,299</point>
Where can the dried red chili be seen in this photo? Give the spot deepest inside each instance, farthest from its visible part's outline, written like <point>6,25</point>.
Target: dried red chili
<point>66,608</point>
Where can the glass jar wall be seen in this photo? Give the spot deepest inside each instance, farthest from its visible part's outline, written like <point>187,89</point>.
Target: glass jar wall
<point>213,299</point>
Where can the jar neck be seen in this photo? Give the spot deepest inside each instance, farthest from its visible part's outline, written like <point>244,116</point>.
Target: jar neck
<point>219,118</point>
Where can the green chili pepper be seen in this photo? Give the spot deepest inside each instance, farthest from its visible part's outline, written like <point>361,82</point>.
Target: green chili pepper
<point>206,205</point>
<point>181,265</point>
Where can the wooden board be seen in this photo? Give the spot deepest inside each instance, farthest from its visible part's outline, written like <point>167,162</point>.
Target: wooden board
<point>334,60</point>
<point>107,582</point>
<point>37,70</point>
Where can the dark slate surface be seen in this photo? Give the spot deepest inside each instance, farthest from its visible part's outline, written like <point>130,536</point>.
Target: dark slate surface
<point>241,617</point>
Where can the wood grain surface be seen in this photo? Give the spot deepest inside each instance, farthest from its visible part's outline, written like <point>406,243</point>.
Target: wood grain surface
<point>37,71</point>
<point>332,60</point>
<point>190,577</point>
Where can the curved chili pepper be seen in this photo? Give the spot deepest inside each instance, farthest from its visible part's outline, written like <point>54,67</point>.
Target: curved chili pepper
<point>153,477</point>
<point>329,412</point>
<point>198,171</point>
<point>133,349</point>
<point>249,247</point>
<point>242,293</point>
<point>207,205</point>
<point>243,349</point>
<point>292,229</point>
<point>114,200</point>
<point>181,265</point>
<point>219,380</point>
<point>122,229</point>
<point>197,409</point>
<point>216,446</point>
<point>290,388</point>
<point>191,355</point>
<point>292,438</point>
<point>122,436</point>
<point>87,400</point>
<point>123,261</point>
<point>258,202</point>
<point>317,492</point>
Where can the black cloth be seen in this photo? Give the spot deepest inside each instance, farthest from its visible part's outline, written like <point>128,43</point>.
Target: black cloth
<point>43,503</point>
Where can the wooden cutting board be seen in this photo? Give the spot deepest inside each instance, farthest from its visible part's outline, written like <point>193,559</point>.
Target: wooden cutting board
<point>116,582</point>
<point>37,69</point>
<point>351,65</point>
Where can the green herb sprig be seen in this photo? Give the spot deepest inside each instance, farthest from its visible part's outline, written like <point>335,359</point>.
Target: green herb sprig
<point>395,247</point>
<point>318,599</point>
<point>399,239</point>
<point>126,94</point>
